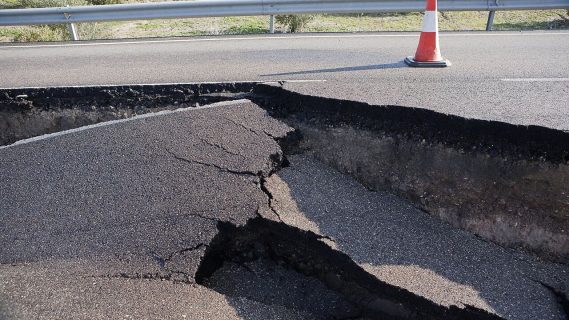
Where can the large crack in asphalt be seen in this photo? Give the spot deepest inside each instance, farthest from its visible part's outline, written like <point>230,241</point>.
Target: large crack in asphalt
<point>263,239</point>
<point>503,182</point>
<point>166,273</point>
<point>263,186</point>
<point>207,164</point>
<point>534,154</point>
<point>276,162</point>
<point>303,252</point>
<point>25,113</point>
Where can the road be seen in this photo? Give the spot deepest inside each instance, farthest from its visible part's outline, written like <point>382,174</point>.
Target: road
<point>114,214</point>
<point>136,199</point>
<point>96,220</point>
<point>520,78</point>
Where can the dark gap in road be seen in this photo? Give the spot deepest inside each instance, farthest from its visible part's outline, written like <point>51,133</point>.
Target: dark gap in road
<point>503,182</point>
<point>28,112</point>
<point>515,142</point>
<point>267,245</point>
<point>25,113</point>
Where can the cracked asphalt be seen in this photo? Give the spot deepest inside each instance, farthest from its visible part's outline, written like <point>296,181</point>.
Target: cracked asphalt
<point>92,221</point>
<point>113,221</point>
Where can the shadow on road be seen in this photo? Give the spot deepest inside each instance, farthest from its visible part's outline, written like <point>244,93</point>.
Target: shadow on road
<point>406,247</point>
<point>395,65</point>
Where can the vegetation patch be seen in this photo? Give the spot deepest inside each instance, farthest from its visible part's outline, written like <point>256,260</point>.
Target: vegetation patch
<point>448,21</point>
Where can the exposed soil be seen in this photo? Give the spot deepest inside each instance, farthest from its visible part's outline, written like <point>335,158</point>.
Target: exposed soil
<point>26,113</point>
<point>503,182</point>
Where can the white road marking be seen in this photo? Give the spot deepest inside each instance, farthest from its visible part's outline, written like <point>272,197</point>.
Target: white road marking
<point>112,122</point>
<point>535,79</point>
<point>170,83</point>
<point>489,34</point>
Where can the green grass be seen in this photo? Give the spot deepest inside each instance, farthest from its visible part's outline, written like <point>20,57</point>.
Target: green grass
<point>448,21</point>
<point>244,25</point>
<point>8,4</point>
<point>50,32</point>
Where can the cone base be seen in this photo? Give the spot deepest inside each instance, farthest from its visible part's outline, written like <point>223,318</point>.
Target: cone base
<point>410,61</point>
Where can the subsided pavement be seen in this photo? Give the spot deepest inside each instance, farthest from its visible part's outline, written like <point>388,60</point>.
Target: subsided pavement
<point>198,213</point>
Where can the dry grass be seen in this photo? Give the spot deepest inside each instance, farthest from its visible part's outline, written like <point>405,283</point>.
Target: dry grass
<point>448,21</point>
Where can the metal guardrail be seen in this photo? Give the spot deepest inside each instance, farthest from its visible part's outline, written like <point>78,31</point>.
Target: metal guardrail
<point>221,8</point>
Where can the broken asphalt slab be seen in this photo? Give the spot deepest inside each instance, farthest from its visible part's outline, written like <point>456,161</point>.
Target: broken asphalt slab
<point>155,207</point>
<point>134,199</point>
<point>404,246</point>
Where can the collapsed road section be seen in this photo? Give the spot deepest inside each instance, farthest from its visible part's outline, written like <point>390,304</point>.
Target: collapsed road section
<point>504,182</point>
<point>227,212</point>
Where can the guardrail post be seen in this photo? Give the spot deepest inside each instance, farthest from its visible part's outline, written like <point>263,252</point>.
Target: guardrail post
<point>71,27</point>
<point>73,31</point>
<point>272,24</point>
<point>490,20</point>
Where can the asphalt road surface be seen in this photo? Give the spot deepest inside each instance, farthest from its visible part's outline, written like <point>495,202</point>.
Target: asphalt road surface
<point>135,198</point>
<point>405,246</point>
<point>113,220</point>
<point>520,77</point>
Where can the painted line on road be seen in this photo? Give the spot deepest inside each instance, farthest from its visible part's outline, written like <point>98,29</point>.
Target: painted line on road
<point>280,38</point>
<point>112,122</point>
<point>535,79</point>
<point>170,84</point>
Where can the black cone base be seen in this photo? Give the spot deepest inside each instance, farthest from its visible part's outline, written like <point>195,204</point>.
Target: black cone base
<point>430,64</point>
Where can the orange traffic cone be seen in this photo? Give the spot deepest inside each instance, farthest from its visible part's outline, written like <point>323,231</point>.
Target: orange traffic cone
<point>428,53</point>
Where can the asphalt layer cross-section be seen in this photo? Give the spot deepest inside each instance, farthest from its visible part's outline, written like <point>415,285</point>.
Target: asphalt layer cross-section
<point>112,221</point>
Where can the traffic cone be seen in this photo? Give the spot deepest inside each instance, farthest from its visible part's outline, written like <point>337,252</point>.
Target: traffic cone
<point>428,53</point>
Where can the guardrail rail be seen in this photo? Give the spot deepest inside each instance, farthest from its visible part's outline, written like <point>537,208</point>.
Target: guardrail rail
<point>224,8</point>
